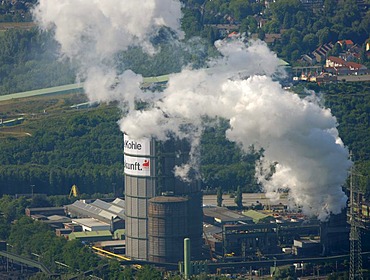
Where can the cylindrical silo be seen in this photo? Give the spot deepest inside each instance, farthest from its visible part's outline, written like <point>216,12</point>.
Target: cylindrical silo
<point>168,226</point>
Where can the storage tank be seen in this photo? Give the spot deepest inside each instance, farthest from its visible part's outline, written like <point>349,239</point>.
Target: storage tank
<point>168,226</point>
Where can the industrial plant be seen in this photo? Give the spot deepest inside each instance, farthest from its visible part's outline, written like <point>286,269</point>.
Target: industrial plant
<point>168,221</point>
<point>264,236</point>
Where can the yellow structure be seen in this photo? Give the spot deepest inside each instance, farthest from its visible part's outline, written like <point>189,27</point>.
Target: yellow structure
<point>74,192</point>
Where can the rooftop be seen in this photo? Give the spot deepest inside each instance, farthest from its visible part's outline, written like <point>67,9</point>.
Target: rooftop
<point>257,216</point>
<point>88,222</point>
<point>224,215</point>
<point>82,234</point>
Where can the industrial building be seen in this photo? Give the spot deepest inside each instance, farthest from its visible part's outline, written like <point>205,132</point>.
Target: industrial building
<point>229,234</point>
<point>46,211</point>
<point>91,236</point>
<point>221,216</point>
<point>149,173</point>
<point>89,224</point>
<point>111,214</point>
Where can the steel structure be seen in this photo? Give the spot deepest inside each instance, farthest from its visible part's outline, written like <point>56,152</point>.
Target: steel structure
<point>355,270</point>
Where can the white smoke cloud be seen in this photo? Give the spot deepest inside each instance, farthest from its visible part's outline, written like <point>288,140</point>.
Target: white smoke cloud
<point>96,29</point>
<point>298,135</point>
<point>90,32</point>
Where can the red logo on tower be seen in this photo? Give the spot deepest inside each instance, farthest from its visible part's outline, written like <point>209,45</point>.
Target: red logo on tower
<point>146,164</point>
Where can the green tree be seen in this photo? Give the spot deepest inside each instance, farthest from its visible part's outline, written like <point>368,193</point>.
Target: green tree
<point>191,22</point>
<point>310,42</point>
<point>239,198</point>
<point>128,273</point>
<point>240,9</point>
<point>219,197</point>
<point>148,272</point>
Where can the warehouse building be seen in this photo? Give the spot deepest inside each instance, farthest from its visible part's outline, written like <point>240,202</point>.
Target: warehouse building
<point>107,213</point>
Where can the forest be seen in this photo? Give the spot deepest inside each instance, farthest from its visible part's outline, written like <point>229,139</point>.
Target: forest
<point>85,147</point>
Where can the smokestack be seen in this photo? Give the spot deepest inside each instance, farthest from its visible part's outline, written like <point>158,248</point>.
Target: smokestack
<point>187,255</point>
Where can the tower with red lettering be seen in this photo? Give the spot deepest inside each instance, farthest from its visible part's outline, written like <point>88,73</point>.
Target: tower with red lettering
<point>149,172</point>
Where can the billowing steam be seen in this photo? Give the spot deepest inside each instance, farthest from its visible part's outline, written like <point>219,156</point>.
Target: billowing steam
<point>91,32</point>
<point>299,137</point>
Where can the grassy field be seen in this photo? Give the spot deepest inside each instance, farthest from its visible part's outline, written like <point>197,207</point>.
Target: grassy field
<point>35,108</point>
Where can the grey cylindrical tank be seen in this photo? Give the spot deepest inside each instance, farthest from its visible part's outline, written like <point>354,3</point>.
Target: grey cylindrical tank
<point>168,226</point>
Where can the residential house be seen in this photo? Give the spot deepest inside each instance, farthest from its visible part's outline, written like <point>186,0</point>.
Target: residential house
<point>339,66</point>
<point>321,52</point>
<point>345,44</point>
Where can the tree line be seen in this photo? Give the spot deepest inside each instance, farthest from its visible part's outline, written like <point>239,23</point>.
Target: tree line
<point>86,148</point>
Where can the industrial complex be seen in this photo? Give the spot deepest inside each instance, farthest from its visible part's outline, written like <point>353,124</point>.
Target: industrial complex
<point>159,210</point>
<point>149,228</point>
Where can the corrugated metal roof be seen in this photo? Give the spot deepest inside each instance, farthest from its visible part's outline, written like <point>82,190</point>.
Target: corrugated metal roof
<point>92,211</point>
<point>70,88</point>
<point>109,207</point>
<point>89,222</point>
<point>119,202</point>
<point>44,91</point>
<point>224,214</point>
<point>107,215</point>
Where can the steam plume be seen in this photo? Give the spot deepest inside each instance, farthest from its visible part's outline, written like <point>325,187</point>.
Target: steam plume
<point>299,136</point>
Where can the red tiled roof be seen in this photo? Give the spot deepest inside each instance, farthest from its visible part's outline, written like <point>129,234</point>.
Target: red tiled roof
<point>354,65</point>
<point>336,60</point>
<point>347,42</point>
